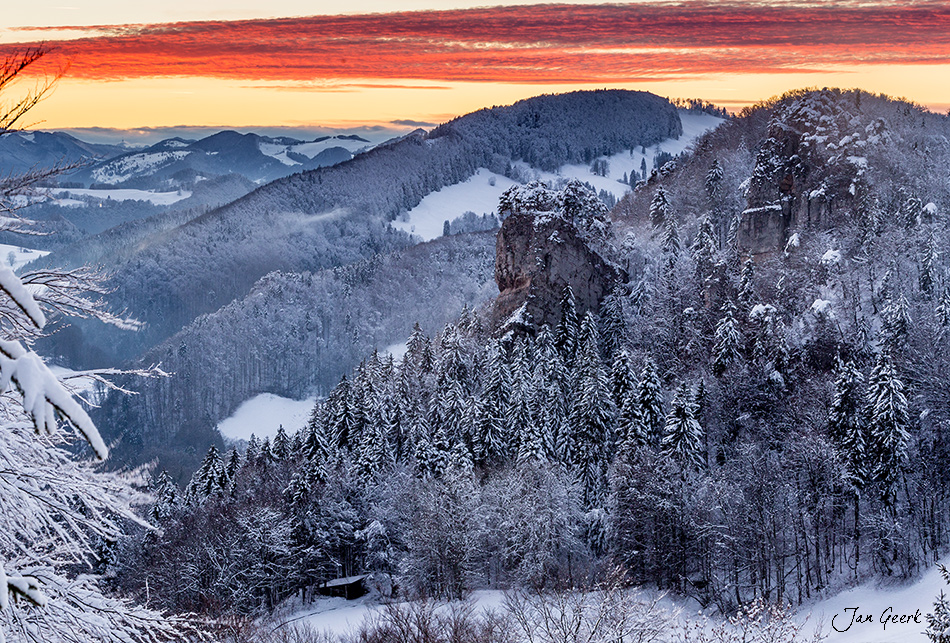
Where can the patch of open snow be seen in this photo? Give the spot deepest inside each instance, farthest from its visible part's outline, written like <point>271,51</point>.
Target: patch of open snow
<point>278,152</point>
<point>15,257</point>
<point>831,257</point>
<point>263,414</point>
<point>476,194</point>
<point>822,307</point>
<point>397,350</point>
<point>878,602</point>
<point>156,198</point>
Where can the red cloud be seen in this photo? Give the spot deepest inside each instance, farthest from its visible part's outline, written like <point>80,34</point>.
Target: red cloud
<point>539,44</point>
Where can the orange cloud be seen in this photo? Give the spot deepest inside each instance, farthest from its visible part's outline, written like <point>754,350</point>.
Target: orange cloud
<point>525,44</point>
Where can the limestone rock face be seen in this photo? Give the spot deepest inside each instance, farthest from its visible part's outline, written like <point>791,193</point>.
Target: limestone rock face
<point>537,255</point>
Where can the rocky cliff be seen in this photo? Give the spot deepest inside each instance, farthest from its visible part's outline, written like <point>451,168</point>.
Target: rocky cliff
<point>550,240</point>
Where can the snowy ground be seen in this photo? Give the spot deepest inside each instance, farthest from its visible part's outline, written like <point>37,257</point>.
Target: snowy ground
<point>263,414</point>
<point>16,257</point>
<point>61,195</point>
<point>339,616</point>
<point>479,193</point>
<point>879,602</point>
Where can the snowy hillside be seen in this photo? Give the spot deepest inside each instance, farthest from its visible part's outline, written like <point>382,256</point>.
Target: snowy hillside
<point>263,414</point>
<point>17,256</point>
<point>479,193</point>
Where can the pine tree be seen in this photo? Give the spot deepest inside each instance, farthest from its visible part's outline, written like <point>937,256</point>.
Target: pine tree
<point>747,285</point>
<point>491,429</point>
<point>592,416</point>
<point>659,208</point>
<point>683,435</point>
<point>705,250</point>
<point>713,183</point>
<point>209,480</point>
<point>565,335</point>
<point>889,424</point>
<point>613,325</point>
<point>167,498</point>
<point>728,347</point>
<point>650,399</point>
<point>928,265</point>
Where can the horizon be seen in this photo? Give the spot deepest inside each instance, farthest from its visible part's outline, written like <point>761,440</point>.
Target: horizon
<point>234,66</point>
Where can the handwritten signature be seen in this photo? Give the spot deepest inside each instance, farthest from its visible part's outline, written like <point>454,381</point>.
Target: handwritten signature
<point>852,616</point>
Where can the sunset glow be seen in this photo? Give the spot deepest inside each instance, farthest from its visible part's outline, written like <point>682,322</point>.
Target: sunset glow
<point>429,65</point>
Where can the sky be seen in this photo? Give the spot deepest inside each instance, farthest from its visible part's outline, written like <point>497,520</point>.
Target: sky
<point>391,63</point>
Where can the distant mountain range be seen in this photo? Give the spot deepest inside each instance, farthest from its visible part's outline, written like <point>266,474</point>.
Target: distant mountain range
<point>175,162</point>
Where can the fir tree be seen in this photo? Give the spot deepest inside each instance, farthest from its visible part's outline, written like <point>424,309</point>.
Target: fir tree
<point>650,399</point>
<point>705,250</point>
<point>889,424</point>
<point>683,435</point>
<point>614,328</point>
<point>938,621</point>
<point>565,335</point>
<point>209,480</point>
<point>281,447</point>
<point>167,498</point>
<point>943,308</point>
<point>659,208</point>
<point>592,416</point>
<point>713,183</point>
<point>747,285</point>
<point>728,346</point>
<point>847,402</point>
<point>928,265</point>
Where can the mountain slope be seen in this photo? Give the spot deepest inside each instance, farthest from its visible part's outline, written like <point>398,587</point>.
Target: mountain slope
<point>339,215</point>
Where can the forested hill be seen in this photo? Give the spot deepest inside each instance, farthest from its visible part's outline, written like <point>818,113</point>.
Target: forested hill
<point>293,334</point>
<point>338,215</point>
<point>761,412</point>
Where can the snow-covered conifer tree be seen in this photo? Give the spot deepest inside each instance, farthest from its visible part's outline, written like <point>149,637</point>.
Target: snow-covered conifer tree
<point>889,424</point>
<point>565,335</point>
<point>659,208</point>
<point>728,347</point>
<point>650,399</point>
<point>683,435</point>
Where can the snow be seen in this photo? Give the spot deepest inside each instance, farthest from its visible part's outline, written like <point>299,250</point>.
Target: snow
<point>762,311</point>
<point>263,414</point>
<point>794,241</point>
<point>831,257</point>
<point>877,602</point>
<point>278,152</point>
<point>157,198</point>
<point>397,350</point>
<point>930,208</point>
<point>313,148</point>
<point>21,255</point>
<point>126,167</point>
<point>822,307</point>
<point>475,194</point>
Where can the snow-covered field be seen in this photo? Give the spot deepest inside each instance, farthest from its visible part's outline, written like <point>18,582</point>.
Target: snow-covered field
<point>878,603</point>
<point>263,414</point>
<point>339,616</point>
<point>157,198</point>
<point>480,195</point>
<point>312,148</point>
<point>16,257</point>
